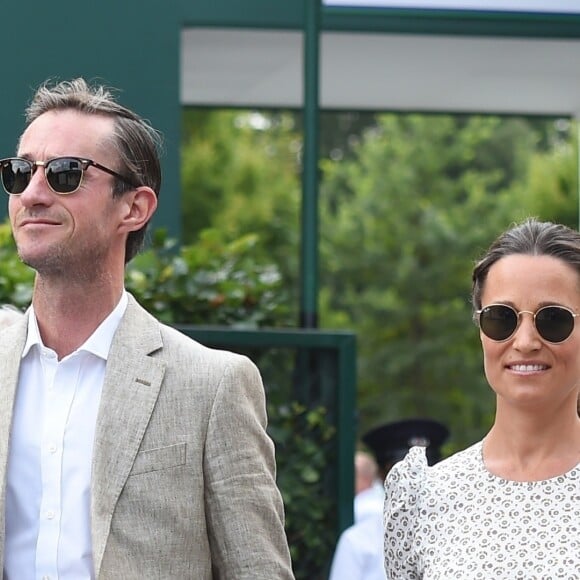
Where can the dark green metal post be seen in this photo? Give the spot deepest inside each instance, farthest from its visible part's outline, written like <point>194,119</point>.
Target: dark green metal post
<point>309,249</point>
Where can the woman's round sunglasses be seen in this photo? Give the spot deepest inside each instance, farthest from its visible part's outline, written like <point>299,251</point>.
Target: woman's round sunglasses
<point>553,323</point>
<point>64,175</point>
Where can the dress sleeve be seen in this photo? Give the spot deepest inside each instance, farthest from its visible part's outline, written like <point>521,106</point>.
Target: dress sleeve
<point>401,515</point>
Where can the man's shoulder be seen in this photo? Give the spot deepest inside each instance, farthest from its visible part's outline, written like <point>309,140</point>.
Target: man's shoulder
<point>171,340</point>
<point>14,335</point>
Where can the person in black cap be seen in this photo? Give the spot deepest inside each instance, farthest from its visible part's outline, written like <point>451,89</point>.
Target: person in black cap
<point>390,443</point>
<point>359,552</point>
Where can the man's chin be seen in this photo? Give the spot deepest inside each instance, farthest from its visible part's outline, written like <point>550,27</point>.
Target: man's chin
<point>41,262</point>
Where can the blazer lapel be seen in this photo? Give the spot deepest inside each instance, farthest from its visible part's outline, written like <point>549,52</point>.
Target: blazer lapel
<point>11,344</point>
<point>130,390</point>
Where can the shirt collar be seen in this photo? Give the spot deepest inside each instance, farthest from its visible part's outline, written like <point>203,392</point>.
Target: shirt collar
<point>99,343</point>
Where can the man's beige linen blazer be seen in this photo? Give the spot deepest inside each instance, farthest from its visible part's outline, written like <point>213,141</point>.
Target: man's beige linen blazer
<point>183,472</point>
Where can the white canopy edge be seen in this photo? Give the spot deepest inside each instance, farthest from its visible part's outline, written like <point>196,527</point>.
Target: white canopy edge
<point>402,72</point>
<point>554,6</point>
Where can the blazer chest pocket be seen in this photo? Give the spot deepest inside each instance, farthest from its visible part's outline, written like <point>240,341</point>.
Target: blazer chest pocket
<point>160,458</point>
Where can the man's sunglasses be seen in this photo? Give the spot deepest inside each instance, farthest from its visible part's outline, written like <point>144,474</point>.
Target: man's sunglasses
<point>64,175</point>
<point>499,322</point>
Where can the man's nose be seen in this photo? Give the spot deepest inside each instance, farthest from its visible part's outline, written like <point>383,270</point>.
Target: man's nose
<point>37,190</point>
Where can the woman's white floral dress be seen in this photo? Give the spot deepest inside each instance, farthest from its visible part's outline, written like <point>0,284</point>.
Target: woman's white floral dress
<point>457,520</point>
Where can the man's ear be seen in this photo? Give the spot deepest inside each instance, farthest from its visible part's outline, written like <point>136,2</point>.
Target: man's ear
<point>138,207</point>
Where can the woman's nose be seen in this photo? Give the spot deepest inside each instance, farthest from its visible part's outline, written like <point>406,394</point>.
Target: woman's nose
<point>526,336</point>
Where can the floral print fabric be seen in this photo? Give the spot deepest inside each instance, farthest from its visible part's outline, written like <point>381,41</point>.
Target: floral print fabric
<point>457,520</point>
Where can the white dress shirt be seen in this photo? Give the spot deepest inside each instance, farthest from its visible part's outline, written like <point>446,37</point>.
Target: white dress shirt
<point>369,502</point>
<point>359,553</point>
<point>48,501</point>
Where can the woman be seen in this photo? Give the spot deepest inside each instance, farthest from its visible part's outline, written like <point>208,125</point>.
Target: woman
<point>508,506</point>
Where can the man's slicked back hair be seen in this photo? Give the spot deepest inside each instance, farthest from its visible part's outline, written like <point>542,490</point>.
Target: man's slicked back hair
<point>136,142</point>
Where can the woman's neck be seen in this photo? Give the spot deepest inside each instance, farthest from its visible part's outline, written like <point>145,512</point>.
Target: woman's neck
<point>532,446</point>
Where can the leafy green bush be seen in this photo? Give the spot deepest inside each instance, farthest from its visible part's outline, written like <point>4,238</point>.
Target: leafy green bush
<point>303,449</point>
<point>210,282</point>
<point>16,279</point>
<point>213,282</point>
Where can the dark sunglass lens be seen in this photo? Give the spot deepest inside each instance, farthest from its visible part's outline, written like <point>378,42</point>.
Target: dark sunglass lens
<point>64,175</point>
<point>498,322</point>
<point>554,324</point>
<point>16,175</point>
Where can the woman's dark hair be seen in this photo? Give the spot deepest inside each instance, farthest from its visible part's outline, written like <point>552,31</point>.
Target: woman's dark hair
<point>531,237</point>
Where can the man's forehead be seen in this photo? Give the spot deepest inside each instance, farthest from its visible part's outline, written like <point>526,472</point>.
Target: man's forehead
<point>66,132</point>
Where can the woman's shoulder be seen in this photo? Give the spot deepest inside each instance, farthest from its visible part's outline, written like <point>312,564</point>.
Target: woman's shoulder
<point>410,475</point>
<point>467,460</point>
<point>404,484</point>
<point>410,470</point>
<point>411,480</point>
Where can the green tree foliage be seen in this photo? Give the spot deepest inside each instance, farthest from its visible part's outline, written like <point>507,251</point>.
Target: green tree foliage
<point>402,223</point>
<point>241,175</point>
<point>550,187</point>
<point>408,202</point>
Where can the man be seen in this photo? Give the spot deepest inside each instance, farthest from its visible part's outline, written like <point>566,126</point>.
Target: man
<point>359,553</point>
<point>368,489</point>
<point>127,450</point>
